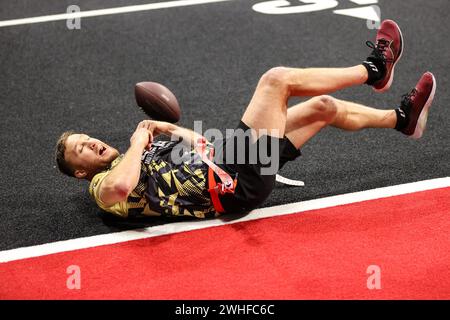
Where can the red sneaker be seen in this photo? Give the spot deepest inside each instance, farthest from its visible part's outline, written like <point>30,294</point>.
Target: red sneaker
<point>416,105</point>
<point>386,53</point>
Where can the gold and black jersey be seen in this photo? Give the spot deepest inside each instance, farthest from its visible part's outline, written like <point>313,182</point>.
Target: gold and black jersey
<point>171,183</point>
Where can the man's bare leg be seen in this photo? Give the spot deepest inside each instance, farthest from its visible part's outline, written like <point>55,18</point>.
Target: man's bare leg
<point>306,119</point>
<point>353,117</point>
<point>268,108</point>
<point>317,81</point>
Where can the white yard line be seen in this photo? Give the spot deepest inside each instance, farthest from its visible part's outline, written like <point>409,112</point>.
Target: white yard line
<point>102,12</point>
<point>171,228</point>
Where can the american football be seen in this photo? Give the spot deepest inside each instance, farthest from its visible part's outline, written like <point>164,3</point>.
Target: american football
<point>157,101</point>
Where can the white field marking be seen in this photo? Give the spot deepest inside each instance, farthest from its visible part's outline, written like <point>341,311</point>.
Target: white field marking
<point>362,2</point>
<point>171,228</point>
<point>102,12</point>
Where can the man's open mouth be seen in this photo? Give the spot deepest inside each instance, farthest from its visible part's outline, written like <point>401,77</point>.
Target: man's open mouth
<point>102,150</point>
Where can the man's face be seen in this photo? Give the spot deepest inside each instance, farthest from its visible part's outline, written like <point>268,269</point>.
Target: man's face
<point>88,155</point>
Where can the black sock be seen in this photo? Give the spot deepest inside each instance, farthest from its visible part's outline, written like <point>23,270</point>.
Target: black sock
<point>375,71</point>
<point>402,121</point>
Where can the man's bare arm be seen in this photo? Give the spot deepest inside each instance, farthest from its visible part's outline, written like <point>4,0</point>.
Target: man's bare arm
<point>188,136</point>
<point>122,180</point>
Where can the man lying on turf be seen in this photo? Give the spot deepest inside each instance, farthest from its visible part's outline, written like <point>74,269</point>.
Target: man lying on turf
<point>147,181</point>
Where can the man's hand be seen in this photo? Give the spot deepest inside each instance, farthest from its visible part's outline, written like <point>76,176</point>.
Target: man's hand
<point>148,129</point>
<point>143,135</point>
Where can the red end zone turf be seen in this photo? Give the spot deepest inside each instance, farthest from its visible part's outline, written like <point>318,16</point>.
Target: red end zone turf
<point>320,254</point>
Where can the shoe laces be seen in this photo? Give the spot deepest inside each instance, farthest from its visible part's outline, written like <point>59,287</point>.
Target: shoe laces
<point>407,98</point>
<point>379,49</point>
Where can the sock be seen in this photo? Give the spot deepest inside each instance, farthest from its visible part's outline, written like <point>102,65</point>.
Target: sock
<point>402,121</point>
<point>375,71</point>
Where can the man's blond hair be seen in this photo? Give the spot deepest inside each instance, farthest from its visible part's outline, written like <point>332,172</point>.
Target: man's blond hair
<point>60,149</point>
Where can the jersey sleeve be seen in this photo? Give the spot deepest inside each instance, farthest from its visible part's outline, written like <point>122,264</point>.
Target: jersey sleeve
<point>119,209</point>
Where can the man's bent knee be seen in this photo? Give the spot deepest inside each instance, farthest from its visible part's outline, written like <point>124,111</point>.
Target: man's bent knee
<point>275,77</point>
<point>325,108</point>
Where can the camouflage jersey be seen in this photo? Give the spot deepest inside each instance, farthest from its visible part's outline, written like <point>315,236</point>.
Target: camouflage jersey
<point>166,187</point>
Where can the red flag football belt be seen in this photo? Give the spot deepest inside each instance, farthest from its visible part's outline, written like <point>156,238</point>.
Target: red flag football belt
<point>226,184</point>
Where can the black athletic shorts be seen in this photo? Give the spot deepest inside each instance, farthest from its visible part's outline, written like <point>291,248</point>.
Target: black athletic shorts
<point>255,174</point>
